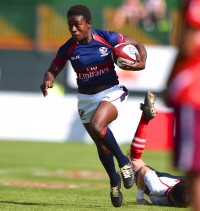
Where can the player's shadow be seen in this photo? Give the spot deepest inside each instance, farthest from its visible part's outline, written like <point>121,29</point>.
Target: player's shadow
<point>28,203</point>
<point>130,203</point>
<point>50,204</point>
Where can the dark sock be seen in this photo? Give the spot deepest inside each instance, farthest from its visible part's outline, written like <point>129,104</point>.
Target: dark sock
<point>108,163</point>
<point>110,142</point>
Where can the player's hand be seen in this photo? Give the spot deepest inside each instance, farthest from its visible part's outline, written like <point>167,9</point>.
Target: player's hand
<point>138,65</point>
<point>142,202</point>
<point>137,164</point>
<point>45,86</point>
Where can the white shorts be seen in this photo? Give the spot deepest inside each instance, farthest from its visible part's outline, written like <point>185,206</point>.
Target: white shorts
<point>87,104</point>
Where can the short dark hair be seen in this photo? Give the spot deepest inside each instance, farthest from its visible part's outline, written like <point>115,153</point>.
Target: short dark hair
<point>181,194</point>
<point>79,10</point>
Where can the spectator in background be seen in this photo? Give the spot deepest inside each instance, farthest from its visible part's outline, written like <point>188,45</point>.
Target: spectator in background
<point>130,11</point>
<point>183,95</point>
<point>155,11</point>
<point>148,14</point>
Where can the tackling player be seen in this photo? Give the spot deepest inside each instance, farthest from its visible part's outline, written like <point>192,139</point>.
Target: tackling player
<point>162,188</point>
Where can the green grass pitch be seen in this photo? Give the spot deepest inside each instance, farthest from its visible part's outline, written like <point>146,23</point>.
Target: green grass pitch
<point>64,176</point>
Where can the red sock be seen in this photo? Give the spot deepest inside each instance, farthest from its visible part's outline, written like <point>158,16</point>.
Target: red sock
<point>139,140</point>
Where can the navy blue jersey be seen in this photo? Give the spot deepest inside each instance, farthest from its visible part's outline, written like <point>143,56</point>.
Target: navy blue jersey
<point>92,62</point>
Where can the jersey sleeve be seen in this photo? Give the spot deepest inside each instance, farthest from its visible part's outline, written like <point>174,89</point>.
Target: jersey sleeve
<point>60,59</point>
<point>113,38</point>
<point>64,53</point>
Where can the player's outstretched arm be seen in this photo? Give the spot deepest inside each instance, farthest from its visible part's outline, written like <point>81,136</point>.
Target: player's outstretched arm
<point>49,78</point>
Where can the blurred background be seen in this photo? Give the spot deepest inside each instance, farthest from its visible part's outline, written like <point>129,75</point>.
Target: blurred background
<point>30,34</point>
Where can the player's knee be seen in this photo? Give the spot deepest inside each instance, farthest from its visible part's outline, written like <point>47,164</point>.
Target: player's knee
<point>96,129</point>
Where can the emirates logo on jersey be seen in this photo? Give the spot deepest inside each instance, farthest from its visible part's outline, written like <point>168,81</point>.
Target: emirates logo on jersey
<point>103,51</point>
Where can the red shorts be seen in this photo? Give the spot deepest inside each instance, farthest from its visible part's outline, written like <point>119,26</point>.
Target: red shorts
<point>187,139</point>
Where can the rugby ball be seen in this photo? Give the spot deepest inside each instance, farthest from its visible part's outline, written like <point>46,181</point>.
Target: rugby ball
<point>123,54</point>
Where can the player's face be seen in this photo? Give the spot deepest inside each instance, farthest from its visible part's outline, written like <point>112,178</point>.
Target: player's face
<point>79,28</point>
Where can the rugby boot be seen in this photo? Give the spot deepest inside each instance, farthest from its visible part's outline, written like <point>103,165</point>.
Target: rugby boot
<point>127,175</point>
<point>148,106</point>
<point>116,194</point>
